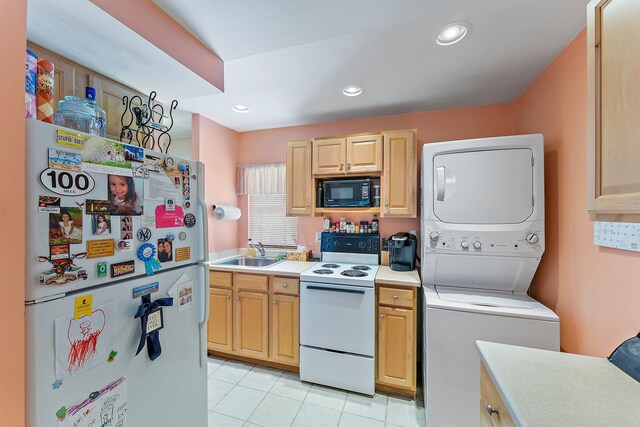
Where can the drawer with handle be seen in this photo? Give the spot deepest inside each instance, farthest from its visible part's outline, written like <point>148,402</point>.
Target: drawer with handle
<point>286,285</point>
<point>395,297</point>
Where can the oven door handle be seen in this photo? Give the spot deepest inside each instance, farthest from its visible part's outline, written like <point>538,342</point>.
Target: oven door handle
<point>346,291</point>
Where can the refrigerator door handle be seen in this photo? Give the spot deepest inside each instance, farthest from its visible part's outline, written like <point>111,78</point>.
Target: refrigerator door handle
<point>204,319</point>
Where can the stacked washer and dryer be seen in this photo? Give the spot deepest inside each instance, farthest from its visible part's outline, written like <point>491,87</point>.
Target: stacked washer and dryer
<point>482,239</point>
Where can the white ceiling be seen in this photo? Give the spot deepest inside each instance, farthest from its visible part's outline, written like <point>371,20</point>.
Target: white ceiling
<point>288,59</point>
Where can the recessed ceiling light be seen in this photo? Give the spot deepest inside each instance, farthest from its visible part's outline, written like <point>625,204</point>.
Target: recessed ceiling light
<point>239,108</point>
<point>352,90</point>
<point>453,33</point>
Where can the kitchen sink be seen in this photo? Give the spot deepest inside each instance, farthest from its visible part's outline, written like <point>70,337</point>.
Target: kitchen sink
<point>251,261</point>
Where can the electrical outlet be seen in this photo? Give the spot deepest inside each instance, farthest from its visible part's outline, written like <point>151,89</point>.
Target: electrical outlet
<point>318,236</point>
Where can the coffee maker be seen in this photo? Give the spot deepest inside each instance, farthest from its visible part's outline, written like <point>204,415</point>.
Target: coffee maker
<point>402,252</point>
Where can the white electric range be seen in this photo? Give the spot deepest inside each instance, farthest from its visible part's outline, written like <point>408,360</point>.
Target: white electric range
<point>337,313</point>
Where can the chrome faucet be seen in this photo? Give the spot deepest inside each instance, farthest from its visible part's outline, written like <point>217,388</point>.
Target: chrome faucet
<point>259,247</point>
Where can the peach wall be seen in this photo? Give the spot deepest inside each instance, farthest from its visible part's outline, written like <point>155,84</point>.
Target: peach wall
<point>594,290</point>
<point>217,147</point>
<point>266,146</point>
<point>13,21</point>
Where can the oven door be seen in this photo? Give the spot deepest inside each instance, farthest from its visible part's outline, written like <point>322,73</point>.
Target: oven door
<point>338,317</point>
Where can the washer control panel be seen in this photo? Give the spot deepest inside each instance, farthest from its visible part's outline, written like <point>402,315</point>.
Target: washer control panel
<point>528,241</point>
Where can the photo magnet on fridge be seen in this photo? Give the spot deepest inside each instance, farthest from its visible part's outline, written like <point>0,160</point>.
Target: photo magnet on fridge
<point>65,227</point>
<point>125,195</point>
<point>165,250</point>
<point>101,224</point>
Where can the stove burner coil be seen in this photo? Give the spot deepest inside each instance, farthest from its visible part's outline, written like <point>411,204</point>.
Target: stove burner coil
<point>323,271</point>
<point>361,267</point>
<point>330,266</point>
<point>353,273</point>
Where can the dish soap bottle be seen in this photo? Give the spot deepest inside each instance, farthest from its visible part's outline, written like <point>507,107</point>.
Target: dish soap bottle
<point>251,252</point>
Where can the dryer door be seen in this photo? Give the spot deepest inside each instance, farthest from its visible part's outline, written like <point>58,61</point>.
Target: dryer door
<point>483,187</point>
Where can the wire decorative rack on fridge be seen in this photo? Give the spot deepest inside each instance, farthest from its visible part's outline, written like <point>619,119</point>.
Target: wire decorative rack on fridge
<point>142,123</point>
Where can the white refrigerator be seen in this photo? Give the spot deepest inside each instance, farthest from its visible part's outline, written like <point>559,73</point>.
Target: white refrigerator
<point>113,232</point>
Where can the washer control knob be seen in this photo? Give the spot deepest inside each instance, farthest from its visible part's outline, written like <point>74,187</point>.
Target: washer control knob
<point>532,238</point>
<point>464,244</point>
<point>477,245</point>
<point>434,235</point>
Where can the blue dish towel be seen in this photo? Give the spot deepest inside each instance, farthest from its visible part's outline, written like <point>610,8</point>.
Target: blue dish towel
<point>627,357</point>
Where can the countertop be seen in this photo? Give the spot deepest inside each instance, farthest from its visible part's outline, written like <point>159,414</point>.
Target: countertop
<point>547,388</point>
<point>385,275</point>
<point>284,268</point>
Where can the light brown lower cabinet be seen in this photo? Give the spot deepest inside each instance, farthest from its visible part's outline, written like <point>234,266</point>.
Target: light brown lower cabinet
<point>251,324</point>
<point>220,319</point>
<point>285,328</point>
<point>256,317</point>
<point>396,348</point>
<point>493,411</point>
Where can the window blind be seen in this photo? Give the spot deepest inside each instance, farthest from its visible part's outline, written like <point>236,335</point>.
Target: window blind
<point>268,222</point>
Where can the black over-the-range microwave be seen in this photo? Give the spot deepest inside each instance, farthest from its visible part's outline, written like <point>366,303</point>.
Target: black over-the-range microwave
<point>351,193</point>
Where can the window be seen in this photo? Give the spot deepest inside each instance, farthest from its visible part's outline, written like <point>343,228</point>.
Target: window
<point>268,222</point>
<point>264,184</point>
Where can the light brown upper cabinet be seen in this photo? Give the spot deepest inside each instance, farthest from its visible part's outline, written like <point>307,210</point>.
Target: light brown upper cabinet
<point>400,176</point>
<point>329,156</point>
<point>613,60</point>
<point>351,155</point>
<point>299,179</point>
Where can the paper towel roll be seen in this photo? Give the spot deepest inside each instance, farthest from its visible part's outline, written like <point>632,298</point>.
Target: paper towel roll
<point>227,212</point>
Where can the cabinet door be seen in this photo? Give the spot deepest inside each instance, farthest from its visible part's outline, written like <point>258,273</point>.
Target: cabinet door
<point>400,175</point>
<point>613,60</point>
<point>251,324</point>
<point>299,180</point>
<point>396,357</point>
<point>109,95</point>
<point>329,156</point>
<point>219,330</point>
<point>285,328</point>
<point>364,154</point>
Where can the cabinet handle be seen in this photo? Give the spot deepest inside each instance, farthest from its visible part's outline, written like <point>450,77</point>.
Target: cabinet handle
<point>349,166</point>
<point>382,316</point>
<point>490,411</point>
<point>395,297</point>
<point>274,302</point>
<point>284,285</point>
<point>341,165</point>
<point>237,298</point>
<point>386,207</point>
<point>228,297</point>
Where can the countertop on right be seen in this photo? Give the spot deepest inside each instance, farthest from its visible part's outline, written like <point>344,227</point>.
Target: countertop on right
<point>386,276</point>
<point>548,388</point>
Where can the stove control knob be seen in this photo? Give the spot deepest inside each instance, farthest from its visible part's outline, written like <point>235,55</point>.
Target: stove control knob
<point>362,245</point>
<point>464,244</point>
<point>434,235</point>
<point>532,238</point>
<point>477,245</point>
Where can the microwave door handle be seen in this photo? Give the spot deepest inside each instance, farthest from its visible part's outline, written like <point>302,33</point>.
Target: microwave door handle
<point>440,183</point>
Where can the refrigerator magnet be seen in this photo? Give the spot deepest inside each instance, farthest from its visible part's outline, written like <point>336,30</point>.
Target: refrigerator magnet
<point>169,219</point>
<point>62,270</point>
<point>151,321</point>
<point>100,248</point>
<point>189,220</point>
<point>124,245</point>
<point>71,139</point>
<point>145,289</point>
<point>56,384</point>
<point>183,254</point>
<point>123,268</point>
<point>101,269</point>
<point>182,235</point>
<point>48,204</point>
<point>147,254</point>
<point>144,234</point>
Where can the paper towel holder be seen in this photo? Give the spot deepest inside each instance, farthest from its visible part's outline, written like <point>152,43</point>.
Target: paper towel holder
<point>218,217</point>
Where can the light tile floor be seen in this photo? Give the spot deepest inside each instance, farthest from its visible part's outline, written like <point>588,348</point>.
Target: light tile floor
<point>241,394</point>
